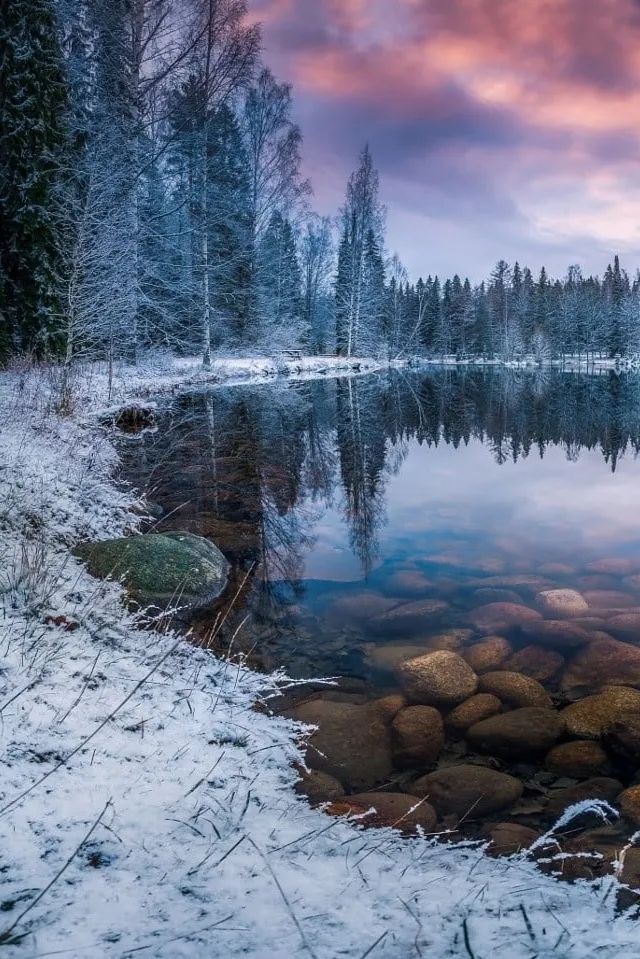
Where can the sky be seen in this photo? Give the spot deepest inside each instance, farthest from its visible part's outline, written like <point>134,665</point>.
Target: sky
<point>501,128</point>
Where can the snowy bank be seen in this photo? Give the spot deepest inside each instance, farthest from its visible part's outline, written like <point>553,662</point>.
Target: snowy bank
<point>163,373</point>
<point>147,808</point>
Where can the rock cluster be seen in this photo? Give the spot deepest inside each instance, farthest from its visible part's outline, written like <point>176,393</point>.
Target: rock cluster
<point>498,723</point>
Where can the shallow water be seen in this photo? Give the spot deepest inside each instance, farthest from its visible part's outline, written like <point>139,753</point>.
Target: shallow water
<point>338,501</point>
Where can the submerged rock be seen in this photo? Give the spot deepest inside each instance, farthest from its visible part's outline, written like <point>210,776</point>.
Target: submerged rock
<point>626,625</point>
<point>417,736</point>
<point>409,616</point>
<point>352,743</point>
<point>629,802</point>
<point>161,569</point>
<point>609,599</point>
<point>522,732</point>
<point>468,791</point>
<point>318,787</point>
<point>453,639</point>
<point>581,759</point>
<point>557,633</point>
<point>514,689</point>
<point>472,711</point>
<point>409,583</point>
<point>622,736</point>
<point>441,678</point>
<point>509,838</point>
<point>590,717</point>
<point>600,787</point>
<point>498,617</point>
<point>487,654</point>
<point>606,662</point>
<point>562,603</point>
<point>389,656</point>
<point>536,662</point>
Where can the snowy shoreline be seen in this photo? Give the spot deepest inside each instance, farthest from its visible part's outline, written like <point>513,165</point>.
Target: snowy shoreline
<point>197,843</point>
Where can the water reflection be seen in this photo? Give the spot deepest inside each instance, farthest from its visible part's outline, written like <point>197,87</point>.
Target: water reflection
<point>373,520</point>
<point>328,488</point>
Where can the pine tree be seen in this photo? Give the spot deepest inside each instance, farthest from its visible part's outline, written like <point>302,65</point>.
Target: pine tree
<point>231,239</point>
<point>33,99</point>
<point>279,284</point>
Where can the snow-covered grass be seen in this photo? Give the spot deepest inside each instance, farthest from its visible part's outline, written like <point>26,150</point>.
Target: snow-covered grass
<point>146,806</point>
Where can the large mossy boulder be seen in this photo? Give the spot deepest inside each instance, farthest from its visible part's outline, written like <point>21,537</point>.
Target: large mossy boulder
<point>161,569</point>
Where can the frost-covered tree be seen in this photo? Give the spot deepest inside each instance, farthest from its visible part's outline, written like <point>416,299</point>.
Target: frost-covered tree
<point>360,267</point>
<point>316,261</point>
<point>279,287</point>
<point>33,100</point>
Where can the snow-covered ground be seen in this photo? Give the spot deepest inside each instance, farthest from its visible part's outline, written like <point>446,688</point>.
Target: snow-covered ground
<point>163,373</point>
<point>146,808</point>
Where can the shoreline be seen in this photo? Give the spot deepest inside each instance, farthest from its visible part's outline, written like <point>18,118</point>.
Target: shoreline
<point>198,842</point>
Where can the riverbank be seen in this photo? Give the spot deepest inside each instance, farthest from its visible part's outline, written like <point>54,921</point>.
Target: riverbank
<point>147,807</point>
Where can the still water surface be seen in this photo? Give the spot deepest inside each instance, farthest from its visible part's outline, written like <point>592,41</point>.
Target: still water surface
<point>340,501</point>
<point>332,491</point>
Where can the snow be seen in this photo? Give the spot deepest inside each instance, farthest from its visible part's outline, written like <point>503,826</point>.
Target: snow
<point>146,807</point>
<point>164,373</point>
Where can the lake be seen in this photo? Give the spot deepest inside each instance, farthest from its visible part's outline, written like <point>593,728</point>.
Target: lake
<point>373,519</point>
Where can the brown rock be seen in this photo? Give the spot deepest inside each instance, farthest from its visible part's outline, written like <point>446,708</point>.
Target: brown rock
<point>409,616</point>
<point>520,581</point>
<point>452,640</point>
<point>581,759</point>
<point>622,737</point>
<point>388,706</point>
<point>514,689</point>
<point>417,736</point>
<point>592,624</point>
<point>628,896</point>
<point>389,656</point>
<point>562,603</point>
<point>408,582</point>
<point>536,662</point>
<point>629,803</point>
<point>472,711</point>
<point>488,654</point>
<point>600,787</point>
<point>517,734</point>
<point>602,663</point>
<point>509,838</point>
<point>625,625</point>
<point>557,633</point>
<point>352,743</point>
<point>589,717</point>
<point>499,617</point>
<point>361,606</point>
<point>441,678</point>
<point>318,787</point>
<point>608,599</point>
<point>468,791</point>
<point>397,810</point>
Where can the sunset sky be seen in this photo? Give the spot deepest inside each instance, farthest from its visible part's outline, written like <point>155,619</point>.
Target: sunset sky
<point>500,127</point>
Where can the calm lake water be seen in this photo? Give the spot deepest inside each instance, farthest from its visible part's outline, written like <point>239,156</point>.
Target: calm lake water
<point>340,501</point>
<point>329,491</point>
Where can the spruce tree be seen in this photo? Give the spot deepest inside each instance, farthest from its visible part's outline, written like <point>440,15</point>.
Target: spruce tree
<point>33,100</point>
<point>280,284</point>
